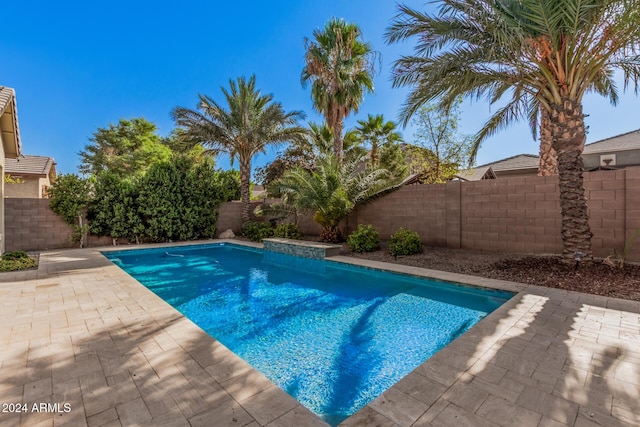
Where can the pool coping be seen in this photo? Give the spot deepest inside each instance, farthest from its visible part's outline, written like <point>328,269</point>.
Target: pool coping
<point>433,393</point>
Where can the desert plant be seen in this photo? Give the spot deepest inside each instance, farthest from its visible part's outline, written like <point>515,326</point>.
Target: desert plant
<point>329,193</point>
<point>364,239</point>
<point>256,231</point>
<point>405,242</point>
<point>288,231</point>
<point>618,259</point>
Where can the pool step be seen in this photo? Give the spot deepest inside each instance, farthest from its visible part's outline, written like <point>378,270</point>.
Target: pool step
<point>301,248</point>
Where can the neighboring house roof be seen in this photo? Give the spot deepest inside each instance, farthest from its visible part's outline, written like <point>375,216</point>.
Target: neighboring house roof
<point>477,174</point>
<point>9,122</point>
<point>29,165</point>
<point>622,142</point>
<point>521,161</point>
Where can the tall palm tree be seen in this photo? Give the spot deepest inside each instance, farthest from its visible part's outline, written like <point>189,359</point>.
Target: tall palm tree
<point>548,157</point>
<point>377,133</point>
<point>538,54</point>
<point>249,123</point>
<point>340,67</point>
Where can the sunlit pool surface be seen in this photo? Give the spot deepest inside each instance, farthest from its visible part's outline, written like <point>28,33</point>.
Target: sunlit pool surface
<point>331,335</point>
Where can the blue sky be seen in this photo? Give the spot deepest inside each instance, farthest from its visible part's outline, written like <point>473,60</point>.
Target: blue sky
<point>77,66</point>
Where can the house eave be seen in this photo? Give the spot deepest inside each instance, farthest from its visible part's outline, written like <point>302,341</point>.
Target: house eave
<point>9,124</point>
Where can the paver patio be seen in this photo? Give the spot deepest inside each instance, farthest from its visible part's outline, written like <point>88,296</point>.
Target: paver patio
<point>81,331</point>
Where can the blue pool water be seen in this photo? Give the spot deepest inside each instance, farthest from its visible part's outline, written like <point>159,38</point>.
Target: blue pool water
<point>333,336</point>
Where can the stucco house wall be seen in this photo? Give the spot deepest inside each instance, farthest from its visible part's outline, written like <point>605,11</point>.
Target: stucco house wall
<point>2,235</point>
<point>34,175</point>
<point>10,146</point>
<point>624,158</point>
<point>28,188</point>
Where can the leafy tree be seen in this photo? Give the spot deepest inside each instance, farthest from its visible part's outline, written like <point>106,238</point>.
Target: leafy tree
<point>179,200</point>
<point>228,183</point>
<point>340,67</point>
<point>540,54</point>
<point>250,123</point>
<point>330,193</point>
<point>441,151</point>
<point>69,197</point>
<point>10,179</point>
<point>394,159</point>
<point>126,149</point>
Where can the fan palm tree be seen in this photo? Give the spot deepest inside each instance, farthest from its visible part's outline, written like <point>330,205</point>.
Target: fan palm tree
<point>377,133</point>
<point>340,67</point>
<point>330,192</point>
<point>250,123</point>
<point>537,54</point>
<point>321,142</point>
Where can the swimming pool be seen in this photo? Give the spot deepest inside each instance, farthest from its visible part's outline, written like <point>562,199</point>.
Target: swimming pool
<point>333,336</point>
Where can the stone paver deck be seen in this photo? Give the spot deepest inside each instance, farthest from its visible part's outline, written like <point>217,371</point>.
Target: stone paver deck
<point>82,332</point>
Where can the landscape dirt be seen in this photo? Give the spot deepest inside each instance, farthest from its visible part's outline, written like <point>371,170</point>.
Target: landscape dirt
<point>596,278</point>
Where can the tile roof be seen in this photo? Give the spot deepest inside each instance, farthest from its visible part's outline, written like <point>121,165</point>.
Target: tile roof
<point>521,161</point>
<point>622,142</point>
<point>476,174</point>
<point>29,165</point>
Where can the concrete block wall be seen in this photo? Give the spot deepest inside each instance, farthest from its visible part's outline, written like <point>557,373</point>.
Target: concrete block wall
<point>422,208</point>
<point>519,214</point>
<point>632,210</point>
<point>30,225</point>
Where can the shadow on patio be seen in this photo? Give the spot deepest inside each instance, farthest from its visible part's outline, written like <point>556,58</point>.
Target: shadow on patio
<point>546,358</point>
<point>118,355</point>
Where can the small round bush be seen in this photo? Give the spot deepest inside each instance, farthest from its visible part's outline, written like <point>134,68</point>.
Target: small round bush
<point>364,239</point>
<point>256,231</point>
<point>405,242</point>
<point>288,231</point>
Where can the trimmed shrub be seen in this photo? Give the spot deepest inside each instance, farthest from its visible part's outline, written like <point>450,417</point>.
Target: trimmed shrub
<point>364,239</point>
<point>405,242</point>
<point>17,260</point>
<point>14,255</point>
<point>288,231</point>
<point>256,231</point>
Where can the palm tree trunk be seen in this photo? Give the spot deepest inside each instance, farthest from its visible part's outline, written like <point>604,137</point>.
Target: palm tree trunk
<point>548,157</point>
<point>338,145</point>
<point>567,126</point>
<point>245,196</point>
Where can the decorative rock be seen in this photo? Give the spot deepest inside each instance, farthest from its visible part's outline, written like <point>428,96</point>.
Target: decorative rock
<point>227,234</point>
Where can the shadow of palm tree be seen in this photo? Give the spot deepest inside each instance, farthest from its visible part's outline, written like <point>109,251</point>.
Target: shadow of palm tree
<point>115,353</point>
<point>547,357</point>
